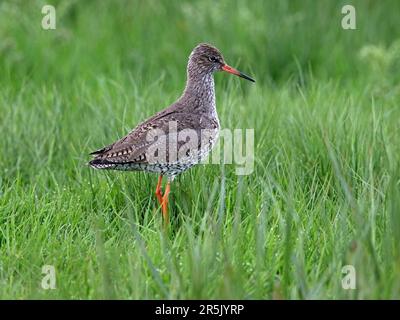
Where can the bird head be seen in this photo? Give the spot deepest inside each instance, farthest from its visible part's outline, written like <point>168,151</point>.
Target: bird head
<point>207,59</point>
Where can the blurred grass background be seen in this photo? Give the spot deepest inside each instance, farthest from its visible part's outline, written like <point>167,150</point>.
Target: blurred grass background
<point>324,193</point>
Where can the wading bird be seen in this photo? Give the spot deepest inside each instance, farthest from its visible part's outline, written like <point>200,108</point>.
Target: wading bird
<point>148,146</point>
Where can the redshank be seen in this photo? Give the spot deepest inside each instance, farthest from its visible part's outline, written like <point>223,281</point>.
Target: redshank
<point>155,145</point>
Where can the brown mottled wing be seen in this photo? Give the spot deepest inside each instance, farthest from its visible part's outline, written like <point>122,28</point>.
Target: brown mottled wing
<point>133,147</point>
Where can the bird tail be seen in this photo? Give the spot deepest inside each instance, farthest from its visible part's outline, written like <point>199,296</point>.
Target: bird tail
<point>101,164</point>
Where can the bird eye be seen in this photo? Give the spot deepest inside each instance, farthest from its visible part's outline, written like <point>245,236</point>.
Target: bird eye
<point>212,59</point>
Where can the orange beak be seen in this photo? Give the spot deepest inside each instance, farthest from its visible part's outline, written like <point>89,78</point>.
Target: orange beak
<point>229,69</point>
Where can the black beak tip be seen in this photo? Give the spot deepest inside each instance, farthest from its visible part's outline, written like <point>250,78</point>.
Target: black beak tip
<point>245,76</point>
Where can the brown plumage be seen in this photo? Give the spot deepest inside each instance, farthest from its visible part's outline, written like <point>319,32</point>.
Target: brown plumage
<point>178,137</point>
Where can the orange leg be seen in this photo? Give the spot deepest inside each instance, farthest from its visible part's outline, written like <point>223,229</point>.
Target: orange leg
<point>159,194</point>
<point>164,204</point>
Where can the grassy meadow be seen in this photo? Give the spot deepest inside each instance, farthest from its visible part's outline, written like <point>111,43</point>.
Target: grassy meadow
<point>325,191</point>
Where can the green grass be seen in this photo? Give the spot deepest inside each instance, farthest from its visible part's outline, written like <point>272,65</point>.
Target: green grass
<point>325,191</point>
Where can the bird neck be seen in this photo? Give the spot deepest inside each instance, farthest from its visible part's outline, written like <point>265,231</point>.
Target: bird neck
<point>200,92</point>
